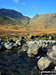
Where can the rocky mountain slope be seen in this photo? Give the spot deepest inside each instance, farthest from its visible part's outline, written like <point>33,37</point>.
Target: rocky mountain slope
<point>17,17</point>
<point>7,21</point>
<point>38,22</point>
<point>44,21</point>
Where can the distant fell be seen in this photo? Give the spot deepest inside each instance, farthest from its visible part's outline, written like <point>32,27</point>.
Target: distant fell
<point>44,21</point>
<point>17,16</point>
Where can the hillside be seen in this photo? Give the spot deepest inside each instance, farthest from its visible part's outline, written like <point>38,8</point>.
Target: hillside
<point>13,22</point>
<point>8,21</point>
<point>45,21</point>
<point>18,18</point>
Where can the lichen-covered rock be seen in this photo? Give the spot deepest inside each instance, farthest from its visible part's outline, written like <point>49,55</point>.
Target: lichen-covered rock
<point>43,63</point>
<point>52,55</point>
<point>32,48</point>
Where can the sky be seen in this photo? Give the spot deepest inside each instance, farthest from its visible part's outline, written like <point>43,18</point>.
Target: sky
<point>30,7</point>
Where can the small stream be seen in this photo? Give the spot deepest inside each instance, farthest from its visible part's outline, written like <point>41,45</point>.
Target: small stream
<point>11,64</point>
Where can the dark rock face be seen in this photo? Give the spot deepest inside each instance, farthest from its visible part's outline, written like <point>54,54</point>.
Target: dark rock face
<point>11,13</point>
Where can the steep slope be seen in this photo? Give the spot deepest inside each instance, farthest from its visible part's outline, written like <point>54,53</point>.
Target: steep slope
<point>44,21</point>
<point>8,21</point>
<point>17,16</point>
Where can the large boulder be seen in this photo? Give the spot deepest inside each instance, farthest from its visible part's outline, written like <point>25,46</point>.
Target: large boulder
<point>32,48</point>
<point>43,63</point>
<point>8,46</point>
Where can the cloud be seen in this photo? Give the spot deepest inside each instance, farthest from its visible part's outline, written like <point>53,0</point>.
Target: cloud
<point>16,1</point>
<point>23,3</point>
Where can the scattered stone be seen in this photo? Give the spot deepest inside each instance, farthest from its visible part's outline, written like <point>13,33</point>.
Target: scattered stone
<point>24,47</point>
<point>43,63</point>
<point>18,43</point>
<point>37,49</point>
<point>44,45</point>
<point>23,41</point>
<point>51,38</point>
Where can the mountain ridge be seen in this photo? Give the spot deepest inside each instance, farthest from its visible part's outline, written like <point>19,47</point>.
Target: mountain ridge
<point>44,21</point>
<point>17,16</point>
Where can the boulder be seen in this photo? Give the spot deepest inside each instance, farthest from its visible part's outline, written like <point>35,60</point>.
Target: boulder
<point>52,55</point>
<point>32,48</point>
<point>8,45</point>
<point>55,68</point>
<point>44,45</point>
<point>15,45</point>
<point>54,48</point>
<point>43,63</point>
<point>18,42</point>
<point>21,41</point>
<point>51,38</point>
<point>24,47</point>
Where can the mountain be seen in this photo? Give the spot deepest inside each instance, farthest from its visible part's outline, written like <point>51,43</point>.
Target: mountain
<point>17,16</point>
<point>43,21</point>
<point>6,20</point>
<point>39,21</point>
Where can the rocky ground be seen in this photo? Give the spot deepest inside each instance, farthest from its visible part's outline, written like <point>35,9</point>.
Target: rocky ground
<point>23,57</point>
